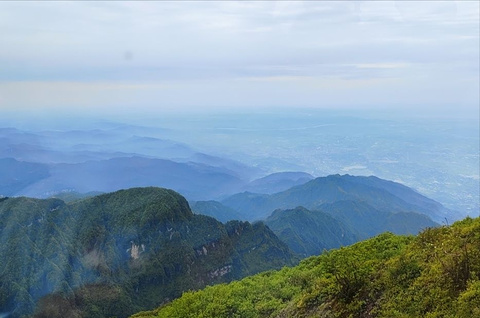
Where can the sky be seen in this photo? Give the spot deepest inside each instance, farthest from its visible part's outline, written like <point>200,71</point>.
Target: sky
<point>159,56</point>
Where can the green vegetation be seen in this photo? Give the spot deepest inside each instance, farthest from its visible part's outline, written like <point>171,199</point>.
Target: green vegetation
<point>118,253</point>
<point>338,224</point>
<point>435,274</point>
<point>309,232</point>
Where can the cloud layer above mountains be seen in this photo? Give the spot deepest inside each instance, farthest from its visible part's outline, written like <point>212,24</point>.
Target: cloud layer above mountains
<point>184,55</point>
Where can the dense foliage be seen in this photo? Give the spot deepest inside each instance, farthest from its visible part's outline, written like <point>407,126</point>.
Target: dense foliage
<point>309,232</point>
<point>435,274</point>
<point>118,253</point>
<point>338,224</point>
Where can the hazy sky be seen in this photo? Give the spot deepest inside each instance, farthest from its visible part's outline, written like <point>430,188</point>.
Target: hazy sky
<point>158,55</point>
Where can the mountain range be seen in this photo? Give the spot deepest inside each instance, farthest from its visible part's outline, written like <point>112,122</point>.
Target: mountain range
<point>205,178</point>
<point>44,163</point>
<point>380,194</point>
<point>277,182</point>
<point>113,156</point>
<point>195,180</point>
<point>91,249</point>
<point>137,248</point>
<point>332,211</point>
<point>118,253</point>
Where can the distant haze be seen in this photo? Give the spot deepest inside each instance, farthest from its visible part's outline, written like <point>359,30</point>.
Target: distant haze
<point>206,156</point>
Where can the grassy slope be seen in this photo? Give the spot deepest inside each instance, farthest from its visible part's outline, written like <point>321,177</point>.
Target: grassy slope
<point>435,274</point>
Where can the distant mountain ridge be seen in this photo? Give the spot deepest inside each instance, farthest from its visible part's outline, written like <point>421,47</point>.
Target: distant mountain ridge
<point>200,177</point>
<point>216,210</point>
<point>380,194</point>
<point>276,182</point>
<point>16,175</point>
<point>195,180</point>
<point>76,146</point>
<point>339,224</point>
<point>364,220</point>
<point>115,157</point>
<point>132,249</point>
<point>332,211</point>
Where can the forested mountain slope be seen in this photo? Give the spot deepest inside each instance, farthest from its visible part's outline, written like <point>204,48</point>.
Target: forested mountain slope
<point>118,253</point>
<point>435,274</point>
<point>309,232</point>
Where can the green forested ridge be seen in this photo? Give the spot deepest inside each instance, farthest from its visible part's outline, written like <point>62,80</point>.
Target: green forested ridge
<point>309,232</point>
<point>338,224</point>
<point>119,253</point>
<point>434,274</point>
<point>339,210</point>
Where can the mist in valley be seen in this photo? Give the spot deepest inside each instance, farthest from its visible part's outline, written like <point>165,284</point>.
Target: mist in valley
<point>211,155</point>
